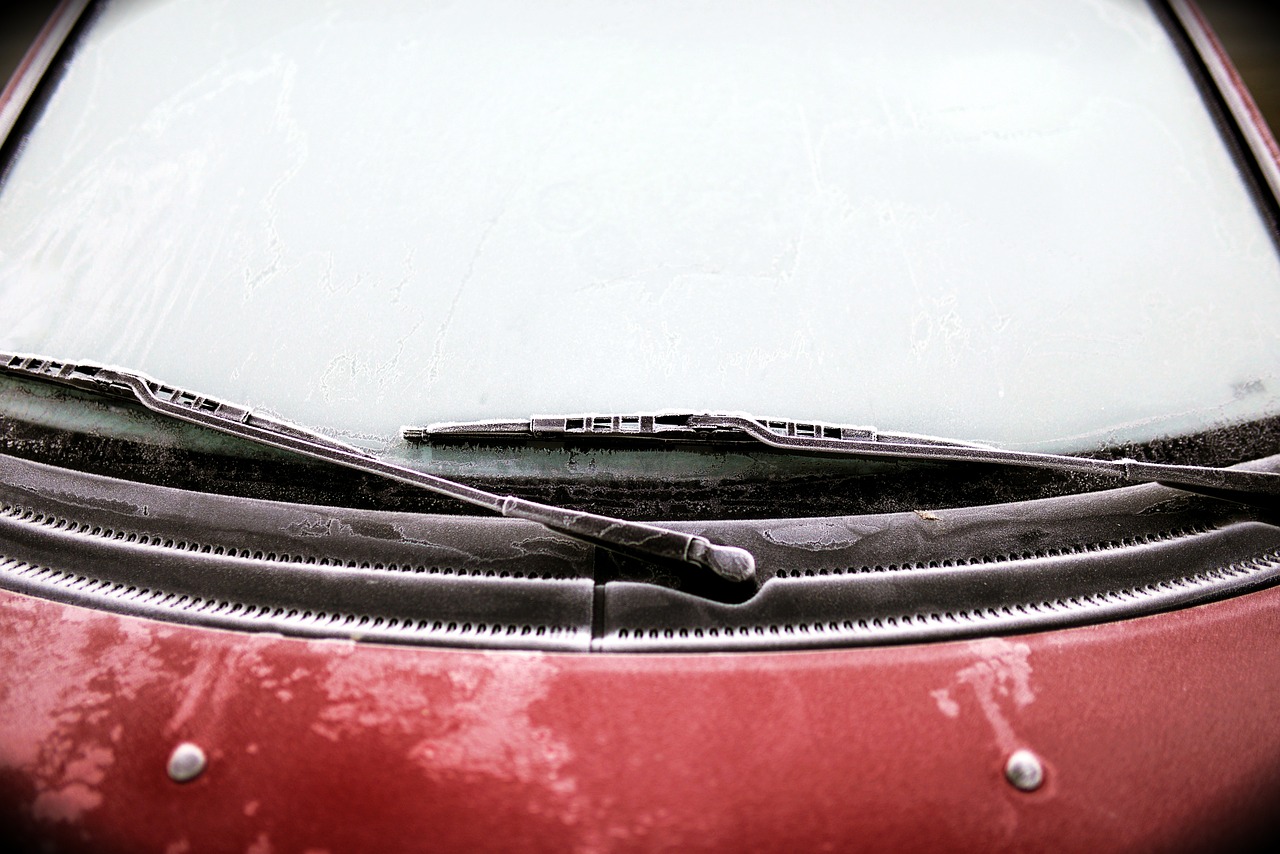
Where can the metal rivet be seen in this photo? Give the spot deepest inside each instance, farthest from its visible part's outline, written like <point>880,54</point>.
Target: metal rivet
<point>186,762</point>
<point>1024,771</point>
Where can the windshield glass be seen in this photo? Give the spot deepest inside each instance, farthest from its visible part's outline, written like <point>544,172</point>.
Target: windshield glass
<point>1003,222</point>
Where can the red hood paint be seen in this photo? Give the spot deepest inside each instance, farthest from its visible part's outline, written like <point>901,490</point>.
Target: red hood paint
<point>1156,733</point>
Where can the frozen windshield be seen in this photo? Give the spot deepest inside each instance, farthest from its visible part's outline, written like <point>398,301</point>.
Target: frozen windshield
<point>1000,221</point>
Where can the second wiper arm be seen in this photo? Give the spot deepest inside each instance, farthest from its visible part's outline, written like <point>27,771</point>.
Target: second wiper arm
<point>1252,487</point>
<point>619,535</point>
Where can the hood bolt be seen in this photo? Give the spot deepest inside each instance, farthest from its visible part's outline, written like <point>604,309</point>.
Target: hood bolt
<point>1024,771</point>
<point>186,762</point>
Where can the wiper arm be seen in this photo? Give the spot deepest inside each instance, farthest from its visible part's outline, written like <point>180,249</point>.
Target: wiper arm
<point>618,535</point>
<point>1250,487</point>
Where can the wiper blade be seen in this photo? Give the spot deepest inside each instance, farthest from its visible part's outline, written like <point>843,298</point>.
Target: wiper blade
<point>664,426</point>
<point>618,535</point>
<point>815,437</point>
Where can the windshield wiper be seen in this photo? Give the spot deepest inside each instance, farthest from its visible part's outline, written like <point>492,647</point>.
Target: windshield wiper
<point>815,437</point>
<point>634,538</point>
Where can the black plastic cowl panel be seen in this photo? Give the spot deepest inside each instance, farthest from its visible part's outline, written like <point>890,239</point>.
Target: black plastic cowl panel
<point>295,569</point>
<point>251,565</point>
<point>916,602</point>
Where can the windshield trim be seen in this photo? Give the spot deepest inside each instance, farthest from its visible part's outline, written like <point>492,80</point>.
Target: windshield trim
<point>1248,119</point>
<point>32,72</point>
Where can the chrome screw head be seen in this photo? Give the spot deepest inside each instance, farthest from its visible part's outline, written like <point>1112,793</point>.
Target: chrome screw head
<point>1024,771</point>
<point>186,762</point>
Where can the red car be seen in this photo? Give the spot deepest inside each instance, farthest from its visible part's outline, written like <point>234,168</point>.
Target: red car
<point>292,560</point>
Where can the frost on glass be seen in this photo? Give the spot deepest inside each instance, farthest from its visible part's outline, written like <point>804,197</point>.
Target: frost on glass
<point>1005,221</point>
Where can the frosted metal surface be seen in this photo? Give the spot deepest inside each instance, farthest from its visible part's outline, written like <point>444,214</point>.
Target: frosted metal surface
<point>1004,221</point>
